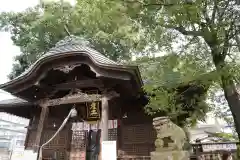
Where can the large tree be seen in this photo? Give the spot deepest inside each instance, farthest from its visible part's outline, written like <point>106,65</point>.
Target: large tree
<point>112,32</point>
<point>177,87</point>
<point>214,23</point>
<point>119,29</point>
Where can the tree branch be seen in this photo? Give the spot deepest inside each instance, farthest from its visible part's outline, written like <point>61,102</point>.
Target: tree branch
<point>205,14</point>
<point>228,36</point>
<point>220,16</point>
<point>187,45</point>
<point>185,32</point>
<point>215,7</point>
<point>157,4</point>
<point>160,4</point>
<point>238,42</point>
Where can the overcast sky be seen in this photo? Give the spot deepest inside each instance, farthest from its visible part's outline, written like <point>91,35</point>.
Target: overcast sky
<point>8,50</point>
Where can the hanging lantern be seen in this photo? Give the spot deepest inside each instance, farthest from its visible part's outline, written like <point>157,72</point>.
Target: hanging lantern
<point>73,112</point>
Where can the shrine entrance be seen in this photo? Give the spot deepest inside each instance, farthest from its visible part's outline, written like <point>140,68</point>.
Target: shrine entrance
<point>72,75</point>
<point>79,138</point>
<point>85,139</point>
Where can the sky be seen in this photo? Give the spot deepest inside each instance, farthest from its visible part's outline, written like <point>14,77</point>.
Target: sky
<point>8,50</point>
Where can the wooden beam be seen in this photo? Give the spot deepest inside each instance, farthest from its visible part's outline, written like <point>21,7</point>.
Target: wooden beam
<point>28,134</point>
<point>104,119</point>
<point>106,96</point>
<point>75,98</point>
<point>79,84</point>
<point>42,120</point>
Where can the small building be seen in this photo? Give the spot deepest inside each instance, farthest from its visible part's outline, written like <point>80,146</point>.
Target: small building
<point>203,130</point>
<point>12,134</point>
<point>13,129</point>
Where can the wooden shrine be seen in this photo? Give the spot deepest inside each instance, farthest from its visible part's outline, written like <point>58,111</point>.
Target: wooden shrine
<point>106,95</point>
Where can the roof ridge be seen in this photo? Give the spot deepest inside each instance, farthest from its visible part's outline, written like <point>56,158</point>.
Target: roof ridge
<point>73,40</point>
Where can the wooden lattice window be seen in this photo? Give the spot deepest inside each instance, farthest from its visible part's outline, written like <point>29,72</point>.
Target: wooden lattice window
<point>112,134</point>
<point>78,145</point>
<point>79,140</point>
<point>137,139</point>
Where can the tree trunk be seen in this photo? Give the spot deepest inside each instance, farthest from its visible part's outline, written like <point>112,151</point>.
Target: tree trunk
<point>232,98</point>
<point>187,145</point>
<point>229,88</point>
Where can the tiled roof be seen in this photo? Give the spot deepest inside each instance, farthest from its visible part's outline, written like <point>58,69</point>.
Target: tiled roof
<point>73,44</point>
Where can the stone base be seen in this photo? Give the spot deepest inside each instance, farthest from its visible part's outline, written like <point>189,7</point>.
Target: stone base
<point>170,155</point>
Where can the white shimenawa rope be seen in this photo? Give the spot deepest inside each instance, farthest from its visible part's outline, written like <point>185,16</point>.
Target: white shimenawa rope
<point>72,113</point>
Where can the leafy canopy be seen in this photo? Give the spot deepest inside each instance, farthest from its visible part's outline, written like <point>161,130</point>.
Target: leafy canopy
<point>211,24</point>
<point>36,30</point>
<point>167,84</point>
<point>120,29</point>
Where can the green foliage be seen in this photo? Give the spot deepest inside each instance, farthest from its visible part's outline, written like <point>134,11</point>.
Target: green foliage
<point>201,32</point>
<point>227,136</point>
<point>211,24</point>
<point>166,79</point>
<point>36,30</point>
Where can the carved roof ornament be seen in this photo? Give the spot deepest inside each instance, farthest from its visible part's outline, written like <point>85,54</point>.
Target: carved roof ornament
<point>66,68</point>
<point>73,40</point>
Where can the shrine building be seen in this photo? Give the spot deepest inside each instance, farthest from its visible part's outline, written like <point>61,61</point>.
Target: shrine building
<point>107,96</point>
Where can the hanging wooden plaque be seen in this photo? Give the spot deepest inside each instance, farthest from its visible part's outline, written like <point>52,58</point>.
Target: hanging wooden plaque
<point>93,108</point>
<point>93,111</point>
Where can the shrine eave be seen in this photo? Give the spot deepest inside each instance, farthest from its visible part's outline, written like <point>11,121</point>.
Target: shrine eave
<point>97,61</point>
<point>17,107</point>
<point>14,102</point>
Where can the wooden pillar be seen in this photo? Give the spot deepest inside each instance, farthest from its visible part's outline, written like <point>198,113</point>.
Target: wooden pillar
<point>28,134</point>
<point>42,120</point>
<point>104,119</point>
<point>106,96</point>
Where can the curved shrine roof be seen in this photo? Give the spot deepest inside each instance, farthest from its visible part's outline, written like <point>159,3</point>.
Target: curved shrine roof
<point>72,46</point>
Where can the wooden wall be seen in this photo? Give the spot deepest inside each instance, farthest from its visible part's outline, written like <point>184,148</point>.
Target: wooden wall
<point>60,146</point>
<point>135,136</point>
